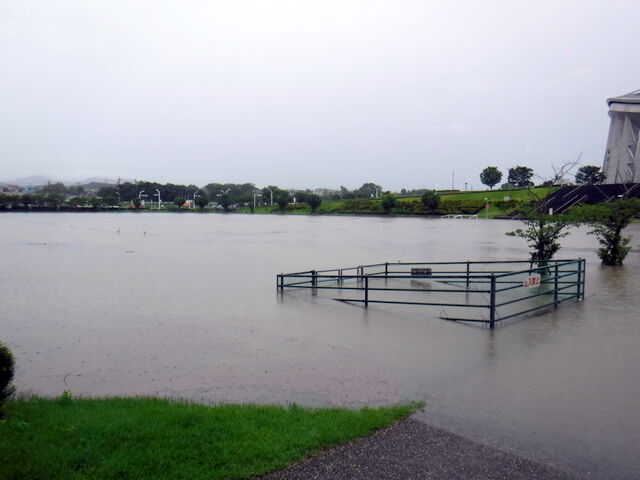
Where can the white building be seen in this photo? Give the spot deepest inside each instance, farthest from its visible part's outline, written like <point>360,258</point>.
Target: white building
<point>622,158</point>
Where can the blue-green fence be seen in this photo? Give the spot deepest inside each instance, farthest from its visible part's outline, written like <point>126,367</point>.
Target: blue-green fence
<point>472,291</point>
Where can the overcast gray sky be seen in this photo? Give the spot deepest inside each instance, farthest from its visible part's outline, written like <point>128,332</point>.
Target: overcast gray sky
<point>309,93</point>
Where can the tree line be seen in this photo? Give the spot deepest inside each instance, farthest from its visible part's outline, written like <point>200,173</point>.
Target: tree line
<point>522,177</point>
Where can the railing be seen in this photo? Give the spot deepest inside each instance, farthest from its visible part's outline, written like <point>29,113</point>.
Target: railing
<point>487,292</point>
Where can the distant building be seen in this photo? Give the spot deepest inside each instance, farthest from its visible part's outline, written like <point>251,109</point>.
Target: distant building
<point>12,189</point>
<point>324,191</point>
<point>622,157</point>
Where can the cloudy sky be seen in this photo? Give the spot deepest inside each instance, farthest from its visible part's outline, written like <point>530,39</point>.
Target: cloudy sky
<point>309,93</point>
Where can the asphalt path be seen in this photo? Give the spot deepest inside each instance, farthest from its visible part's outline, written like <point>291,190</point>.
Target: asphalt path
<point>411,449</point>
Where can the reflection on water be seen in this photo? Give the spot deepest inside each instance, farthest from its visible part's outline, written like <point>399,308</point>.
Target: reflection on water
<point>186,306</point>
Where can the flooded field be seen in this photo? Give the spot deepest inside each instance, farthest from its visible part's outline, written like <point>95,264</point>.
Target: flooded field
<point>186,306</point>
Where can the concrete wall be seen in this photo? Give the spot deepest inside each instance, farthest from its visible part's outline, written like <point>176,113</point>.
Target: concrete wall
<point>622,156</point>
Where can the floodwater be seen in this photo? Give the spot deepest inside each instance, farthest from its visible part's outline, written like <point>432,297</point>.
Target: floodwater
<point>185,305</point>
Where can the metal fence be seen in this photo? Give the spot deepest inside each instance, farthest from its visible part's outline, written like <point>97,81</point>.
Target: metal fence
<point>470,291</point>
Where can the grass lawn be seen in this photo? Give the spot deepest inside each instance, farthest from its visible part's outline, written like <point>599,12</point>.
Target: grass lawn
<point>493,195</point>
<point>478,197</point>
<point>143,438</point>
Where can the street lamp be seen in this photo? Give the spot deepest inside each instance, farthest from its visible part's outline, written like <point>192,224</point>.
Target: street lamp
<point>159,199</point>
<point>140,195</point>
<point>271,195</point>
<point>254,198</point>
<point>195,194</point>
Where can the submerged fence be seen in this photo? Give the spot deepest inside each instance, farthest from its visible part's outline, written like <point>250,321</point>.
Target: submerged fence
<point>480,292</point>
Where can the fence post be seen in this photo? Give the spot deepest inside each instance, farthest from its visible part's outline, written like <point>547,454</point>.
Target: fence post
<point>584,277</point>
<point>555,286</point>
<point>579,289</point>
<point>366,291</point>
<point>386,269</point>
<point>281,281</point>
<point>492,307</point>
<point>314,278</point>
<point>468,274</point>
<point>340,279</point>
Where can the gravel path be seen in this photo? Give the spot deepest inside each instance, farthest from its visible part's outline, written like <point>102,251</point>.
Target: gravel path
<point>411,449</point>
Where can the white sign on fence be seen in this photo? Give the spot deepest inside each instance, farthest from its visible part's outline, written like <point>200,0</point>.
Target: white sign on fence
<point>531,281</point>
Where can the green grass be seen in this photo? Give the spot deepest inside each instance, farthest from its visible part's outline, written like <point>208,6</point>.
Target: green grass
<point>142,438</point>
<point>458,202</point>
<point>493,195</point>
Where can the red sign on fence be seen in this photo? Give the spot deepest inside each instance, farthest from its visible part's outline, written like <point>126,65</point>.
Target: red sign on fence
<point>531,281</point>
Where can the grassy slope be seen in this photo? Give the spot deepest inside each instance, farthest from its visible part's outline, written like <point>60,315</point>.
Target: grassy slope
<point>158,439</point>
<point>492,195</point>
<point>331,206</point>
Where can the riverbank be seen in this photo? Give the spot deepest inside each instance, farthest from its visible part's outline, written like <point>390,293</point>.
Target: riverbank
<point>487,204</point>
<point>153,438</point>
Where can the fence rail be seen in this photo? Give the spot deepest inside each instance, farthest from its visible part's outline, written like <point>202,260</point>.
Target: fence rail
<point>486,291</point>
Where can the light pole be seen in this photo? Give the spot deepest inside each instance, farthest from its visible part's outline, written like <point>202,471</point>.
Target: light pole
<point>271,195</point>
<point>254,198</point>
<point>195,194</point>
<point>159,199</point>
<point>140,195</point>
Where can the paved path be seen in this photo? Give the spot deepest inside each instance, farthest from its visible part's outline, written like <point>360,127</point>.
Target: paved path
<point>411,449</point>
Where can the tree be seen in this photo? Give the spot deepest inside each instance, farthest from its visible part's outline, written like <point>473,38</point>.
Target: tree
<point>282,198</point>
<point>388,202</point>
<point>430,200</point>
<point>178,202</point>
<point>368,190</point>
<point>137,203</point>
<point>608,220</point>
<point>543,232</point>
<point>202,201</point>
<point>57,188</point>
<point>78,201</point>
<point>224,201</point>
<point>54,200</point>
<point>589,175</point>
<point>491,176</point>
<point>520,176</point>
<point>110,201</point>
<point>314,202</point>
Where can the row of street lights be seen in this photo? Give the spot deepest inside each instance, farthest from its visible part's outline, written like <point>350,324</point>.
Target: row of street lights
<point>195,194</point>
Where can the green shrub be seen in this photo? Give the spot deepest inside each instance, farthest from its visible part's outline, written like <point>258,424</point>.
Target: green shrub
<point>6,375</point>
<point>506,204</point>
<point>409,207</point>
<point>467,207</point>
<point>360,205</point>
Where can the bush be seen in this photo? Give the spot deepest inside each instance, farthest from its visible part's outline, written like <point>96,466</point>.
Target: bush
<point>409,207</point>
<point>430,200</point>
<point>6,375</point>
<point>363,205</point>
<point>467,207</point>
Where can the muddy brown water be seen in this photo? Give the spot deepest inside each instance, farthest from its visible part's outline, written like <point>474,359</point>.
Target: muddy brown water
<point>186,306</point>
